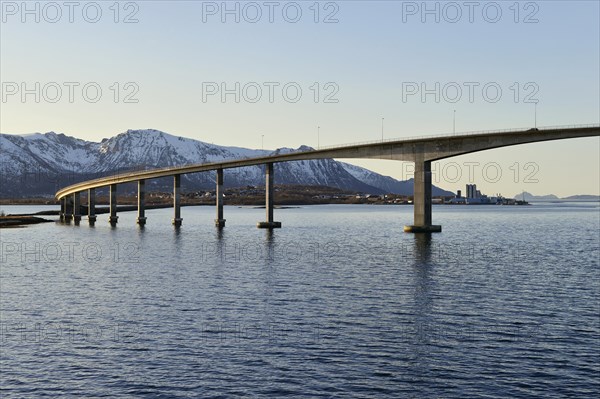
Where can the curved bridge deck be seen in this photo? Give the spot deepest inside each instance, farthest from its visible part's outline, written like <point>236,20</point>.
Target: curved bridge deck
<point>420,150</point>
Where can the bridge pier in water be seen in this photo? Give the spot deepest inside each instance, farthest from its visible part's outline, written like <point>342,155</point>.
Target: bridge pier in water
<point>68,209</point>
<point>141,202</point>
<point>422,200</point>
<point>92,206</point>
<point>269,199</point>
<point>177,200</point>
<point>219,221</point>
<point>63,209</point>
<point>112,219</point>
<point>77,208</point>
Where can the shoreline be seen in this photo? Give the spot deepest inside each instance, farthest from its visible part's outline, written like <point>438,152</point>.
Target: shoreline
<point>25,219</point>
<point>16,221</point>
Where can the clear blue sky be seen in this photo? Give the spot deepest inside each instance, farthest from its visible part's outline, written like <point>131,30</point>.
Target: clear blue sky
<point>372,56</point>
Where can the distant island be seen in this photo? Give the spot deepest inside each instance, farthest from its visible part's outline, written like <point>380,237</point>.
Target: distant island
<point>551,197</point>
<point>583,197</point>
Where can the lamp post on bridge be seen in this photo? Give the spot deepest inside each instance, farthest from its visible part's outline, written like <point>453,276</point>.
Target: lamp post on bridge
<point>318,137</point>
<point>454,123</point>
<point>382,129</point>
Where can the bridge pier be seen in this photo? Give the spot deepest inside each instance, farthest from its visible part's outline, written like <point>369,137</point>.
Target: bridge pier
<point>141,202</point>
<point>77,208</point>
<point>422,200</point>
<point>177,200</point>
<point>219,221</point>
<point>68,209</point>
<point>269,200</point>
<point>92,206</point>
<point>63,207</point>
<point>113,218</point>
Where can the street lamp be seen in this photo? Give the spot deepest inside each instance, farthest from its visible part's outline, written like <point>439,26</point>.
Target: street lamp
<point>262,142</point>
<point>318,137</point>
<point>382,130</point>
<point>454,123</point>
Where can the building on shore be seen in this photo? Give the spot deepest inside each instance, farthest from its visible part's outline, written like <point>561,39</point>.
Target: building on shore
<point>474,197</point>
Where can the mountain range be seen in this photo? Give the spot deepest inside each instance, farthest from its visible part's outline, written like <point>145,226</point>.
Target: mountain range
<point>39,164</point>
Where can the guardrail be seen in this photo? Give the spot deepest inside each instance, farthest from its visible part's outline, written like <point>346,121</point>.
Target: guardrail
<point>470,133</point>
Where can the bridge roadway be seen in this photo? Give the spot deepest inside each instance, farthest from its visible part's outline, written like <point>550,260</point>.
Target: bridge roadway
<point>421,150</point>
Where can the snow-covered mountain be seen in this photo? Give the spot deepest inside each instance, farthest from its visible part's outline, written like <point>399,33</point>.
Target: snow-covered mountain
<point>386,183</point>
<point>39,164</point>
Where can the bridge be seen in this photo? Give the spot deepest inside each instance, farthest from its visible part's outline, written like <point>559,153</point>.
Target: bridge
<point>420,150</point>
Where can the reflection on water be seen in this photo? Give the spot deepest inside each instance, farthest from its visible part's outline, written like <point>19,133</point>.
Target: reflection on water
<point>422,248</point>
<point>220,231</point>
<point>418,329</point>
<point>354,307</point>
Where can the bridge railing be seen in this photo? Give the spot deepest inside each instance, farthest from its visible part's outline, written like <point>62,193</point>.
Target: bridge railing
<point>470,133</point>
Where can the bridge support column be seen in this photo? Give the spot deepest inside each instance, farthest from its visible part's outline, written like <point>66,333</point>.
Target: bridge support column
<point>63,209</point>
<point>177,200</point>
<point>77,208</point>
<point>92,206</point>
<point>219,221</point>
<point>269,200</point>
<point>112,219</point>
<point>422,200</point>
<point>141,202</point>
<point>68,209</point>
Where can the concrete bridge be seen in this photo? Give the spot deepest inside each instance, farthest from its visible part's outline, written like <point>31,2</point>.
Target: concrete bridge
<point>421,150</point>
